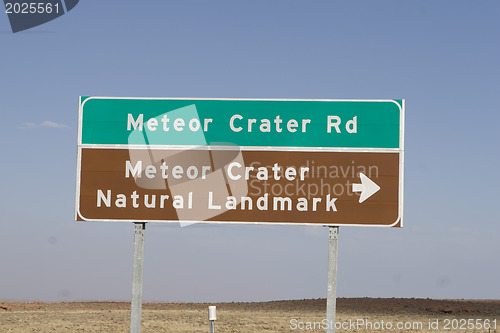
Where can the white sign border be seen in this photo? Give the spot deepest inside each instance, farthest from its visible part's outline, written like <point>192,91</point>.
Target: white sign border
<point>399,150</point>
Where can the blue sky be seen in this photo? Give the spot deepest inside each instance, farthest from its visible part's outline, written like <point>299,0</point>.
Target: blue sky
<point>441,56</point>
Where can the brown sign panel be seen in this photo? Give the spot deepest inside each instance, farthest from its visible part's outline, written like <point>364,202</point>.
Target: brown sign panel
<point>245,186</point>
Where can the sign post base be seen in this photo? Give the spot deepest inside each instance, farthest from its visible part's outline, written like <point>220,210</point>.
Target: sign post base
<point>136,306</point>
<point>331,300</point>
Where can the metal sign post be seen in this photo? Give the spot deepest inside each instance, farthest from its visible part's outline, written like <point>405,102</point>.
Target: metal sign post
<point>136,307</point>
<point>331,300</point>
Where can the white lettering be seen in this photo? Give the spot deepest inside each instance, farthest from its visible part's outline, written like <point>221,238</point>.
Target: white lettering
<point>206,122</point>
<point>137,170</point>
<point>192,172</point>
<point>121,201</point>
<point>278,121</point>
<point>101,198</point>
<point>352,125</point>
<point>179,124</point>
<point>152,123</point>
<point>136,123</point>
<point>230,170</point>
<point>134,197</point>
<point>150,171</point>
<point>302,205</point>
<point>262,202</point>
<point>304,123</point>
<point>177,172</point>
<point>282,201</point>
<point>292,125</point>
<point>335,124</point>
<point>231,123</point>
<point>250,122</point>
<point>194,124</point>
<point>290,173</point>
<point>165,121</point>
<point>330,203</point>
<point>315,203</point>
<point>211,200</point>
<point>151,204</point>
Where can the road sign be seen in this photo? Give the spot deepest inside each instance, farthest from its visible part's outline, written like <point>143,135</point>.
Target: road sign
<point>329,162</point>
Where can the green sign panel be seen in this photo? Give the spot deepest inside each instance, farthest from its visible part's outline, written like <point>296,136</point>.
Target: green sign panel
<point>371,124</point>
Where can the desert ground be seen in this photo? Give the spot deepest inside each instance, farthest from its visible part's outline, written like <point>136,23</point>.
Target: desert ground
<point>384,315</point>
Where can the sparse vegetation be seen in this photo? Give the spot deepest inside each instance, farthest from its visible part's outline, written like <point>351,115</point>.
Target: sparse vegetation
<point>236,317</point>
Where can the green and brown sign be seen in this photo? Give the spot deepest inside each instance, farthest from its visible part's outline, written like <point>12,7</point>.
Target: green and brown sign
<point>322,162</point>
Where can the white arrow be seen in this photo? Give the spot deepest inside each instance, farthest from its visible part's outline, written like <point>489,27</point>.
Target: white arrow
<point>367,187</point>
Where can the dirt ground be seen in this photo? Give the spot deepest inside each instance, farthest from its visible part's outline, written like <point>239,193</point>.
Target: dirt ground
<point>353,315</point>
